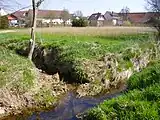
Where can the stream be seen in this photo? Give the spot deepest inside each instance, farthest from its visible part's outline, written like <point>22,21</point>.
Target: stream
<point>71,106</point>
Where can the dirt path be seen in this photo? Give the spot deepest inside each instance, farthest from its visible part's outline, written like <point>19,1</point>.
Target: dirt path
<point>6,31</point>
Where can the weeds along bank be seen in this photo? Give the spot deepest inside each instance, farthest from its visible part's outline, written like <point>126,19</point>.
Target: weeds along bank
<point>97,63</point>
<point>141,102</point>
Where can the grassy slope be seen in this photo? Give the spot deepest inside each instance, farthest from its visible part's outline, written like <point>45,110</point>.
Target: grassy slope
<point>15,72</point>
<point>142,102</point>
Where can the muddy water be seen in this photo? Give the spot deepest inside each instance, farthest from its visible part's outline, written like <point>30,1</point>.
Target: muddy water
<point>70,106</point>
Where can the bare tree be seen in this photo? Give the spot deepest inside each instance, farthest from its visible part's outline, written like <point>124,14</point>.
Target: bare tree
<point>124,13</point>
<point>33,37</point>
<point>78,13</point>
<point>65,16</point>
<point>154,7</point>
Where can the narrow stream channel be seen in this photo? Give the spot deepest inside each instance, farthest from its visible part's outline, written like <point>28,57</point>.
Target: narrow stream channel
<point>70,106</point>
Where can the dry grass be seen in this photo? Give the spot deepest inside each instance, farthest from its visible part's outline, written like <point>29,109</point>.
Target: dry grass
<point>92,30</point>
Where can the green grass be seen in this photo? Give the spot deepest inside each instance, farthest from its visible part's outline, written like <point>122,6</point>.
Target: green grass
<point>141,102</point>
<point>77,46</point>
<point>15,71</point>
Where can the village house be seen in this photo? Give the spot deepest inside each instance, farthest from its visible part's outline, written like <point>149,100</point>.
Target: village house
<point>44,17</point>
<point>116,19</point>
<point>112,18</point>
<point>109,18</point>
<point>96,19</point>
<point>17,18</point>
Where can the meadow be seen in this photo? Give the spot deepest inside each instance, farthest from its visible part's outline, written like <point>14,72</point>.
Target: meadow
<point>70,47</point>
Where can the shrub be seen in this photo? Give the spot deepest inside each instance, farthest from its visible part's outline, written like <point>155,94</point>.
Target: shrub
<point>96,114</point>
<point>127,23</point>
<point>79,23</point>
<point>4,23</point>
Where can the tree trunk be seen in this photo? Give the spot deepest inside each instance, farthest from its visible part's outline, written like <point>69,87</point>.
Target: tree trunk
<point>33,37</point>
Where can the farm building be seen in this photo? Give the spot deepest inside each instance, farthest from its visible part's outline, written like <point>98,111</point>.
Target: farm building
<point>44,17</point>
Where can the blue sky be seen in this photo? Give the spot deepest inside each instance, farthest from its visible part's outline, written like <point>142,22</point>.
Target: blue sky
<point>90,6</point>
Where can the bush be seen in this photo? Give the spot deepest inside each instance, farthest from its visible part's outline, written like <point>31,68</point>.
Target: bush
<point>98,114</point>
<point>127,23</point>
<point>79,23</point>
<point>4,23</point>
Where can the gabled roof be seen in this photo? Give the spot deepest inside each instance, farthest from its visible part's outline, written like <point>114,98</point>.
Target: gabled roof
<point>111,15</point>
<point>46,13</point>
<point>95,16</point>
<point>19,14</point>
<point>140,17</point>
<point>12,17</point>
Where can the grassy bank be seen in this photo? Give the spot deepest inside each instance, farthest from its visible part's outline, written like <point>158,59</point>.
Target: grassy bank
<point>63,52</point>
<point>141,102</point>
<point>16,72</point>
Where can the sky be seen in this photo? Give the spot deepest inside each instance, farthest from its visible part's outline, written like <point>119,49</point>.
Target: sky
<point>90,6</point>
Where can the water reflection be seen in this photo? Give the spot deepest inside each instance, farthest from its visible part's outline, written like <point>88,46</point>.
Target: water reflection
<point>71,106</point>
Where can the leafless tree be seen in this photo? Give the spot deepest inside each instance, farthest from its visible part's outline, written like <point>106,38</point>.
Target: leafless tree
<point>124,13</point>
<point>65,16</point>
<point>78,13</point>
<point>154,7</point>
<point>35,6</point>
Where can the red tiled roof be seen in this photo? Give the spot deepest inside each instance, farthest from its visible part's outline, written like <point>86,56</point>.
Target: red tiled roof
<point>140,17</point>
<point>19,14</point>
<point>46,13</point>
<point>11,17</point>
<point>136,17</point>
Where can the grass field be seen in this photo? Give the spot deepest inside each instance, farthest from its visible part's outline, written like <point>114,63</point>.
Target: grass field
<point>93,31</point>
<point>79,44</point>
<point>75,46</point>
<point>83,42</point>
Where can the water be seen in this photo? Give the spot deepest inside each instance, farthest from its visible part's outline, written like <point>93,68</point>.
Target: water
<point>72,106</point>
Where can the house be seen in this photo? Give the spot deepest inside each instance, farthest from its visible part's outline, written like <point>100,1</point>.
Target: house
<point>17,18</point>
<point>112,18</point>
<point>96,19</point>
<point>109,18</point>
<point>49,16</point>
<point>44,17</point>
